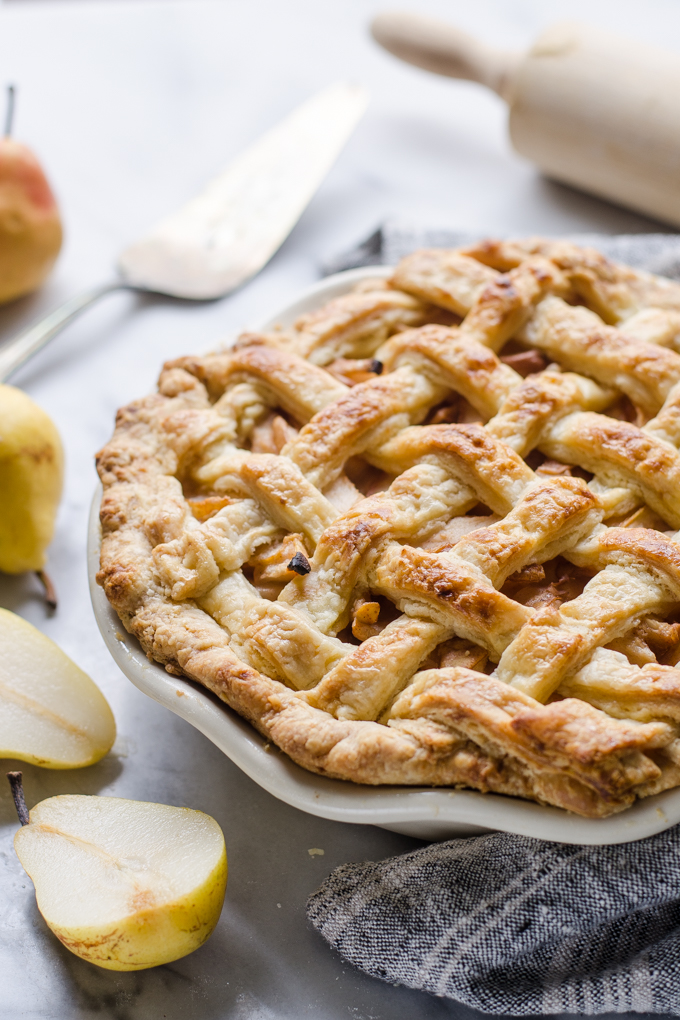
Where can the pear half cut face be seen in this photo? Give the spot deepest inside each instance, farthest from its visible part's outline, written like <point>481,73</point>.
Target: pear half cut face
<point>125,884</point>
<point>51,713</point>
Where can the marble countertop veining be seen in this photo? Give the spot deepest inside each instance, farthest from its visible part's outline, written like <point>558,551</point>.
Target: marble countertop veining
<point>132,105</point>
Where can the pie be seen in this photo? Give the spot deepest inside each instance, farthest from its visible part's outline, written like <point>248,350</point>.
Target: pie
<point>428,535</point>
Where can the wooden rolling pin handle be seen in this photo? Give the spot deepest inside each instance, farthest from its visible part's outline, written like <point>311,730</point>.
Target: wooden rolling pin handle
<point>439,47</point>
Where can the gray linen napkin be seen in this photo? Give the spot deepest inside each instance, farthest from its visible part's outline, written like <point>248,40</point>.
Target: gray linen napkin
<point>657,253</point>
<point>503,923</point>
<point>513,925</point>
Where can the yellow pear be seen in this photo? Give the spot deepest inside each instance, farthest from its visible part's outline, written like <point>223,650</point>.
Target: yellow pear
<point>51,713</point>
<point>31,475</point>
<point>124,884</point>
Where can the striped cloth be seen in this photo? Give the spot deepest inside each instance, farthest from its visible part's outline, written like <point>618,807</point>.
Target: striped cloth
<point>513,925</point>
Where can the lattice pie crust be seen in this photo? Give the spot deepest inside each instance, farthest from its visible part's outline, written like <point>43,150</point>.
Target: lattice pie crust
<point>427,535</point>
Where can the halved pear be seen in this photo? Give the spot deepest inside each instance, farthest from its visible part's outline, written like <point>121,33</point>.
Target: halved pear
<point>51,713</point>
<point>125,884</point>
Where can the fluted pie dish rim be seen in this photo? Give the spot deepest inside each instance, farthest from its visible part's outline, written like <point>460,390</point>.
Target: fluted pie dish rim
<point>424,812</point>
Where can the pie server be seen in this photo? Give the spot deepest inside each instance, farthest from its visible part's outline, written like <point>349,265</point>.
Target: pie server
<point>227,233</point>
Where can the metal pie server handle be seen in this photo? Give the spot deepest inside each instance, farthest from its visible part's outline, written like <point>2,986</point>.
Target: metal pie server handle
<point>27,343</point>
<point>230,230</point>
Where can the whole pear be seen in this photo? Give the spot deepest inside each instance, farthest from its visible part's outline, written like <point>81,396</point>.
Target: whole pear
<point>30,226</point>
<point>31,476</point>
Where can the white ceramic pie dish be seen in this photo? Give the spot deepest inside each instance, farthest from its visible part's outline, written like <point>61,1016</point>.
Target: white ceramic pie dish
<point>430,814</point>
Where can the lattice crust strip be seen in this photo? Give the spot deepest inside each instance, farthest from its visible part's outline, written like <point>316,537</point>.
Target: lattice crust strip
<point>428,534</point>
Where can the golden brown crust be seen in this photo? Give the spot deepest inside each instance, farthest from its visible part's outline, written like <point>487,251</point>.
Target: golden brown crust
<point>238,549</point>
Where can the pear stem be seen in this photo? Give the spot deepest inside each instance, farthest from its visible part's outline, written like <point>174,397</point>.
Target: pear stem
<point>9,115</point>
<point>50,593</point>
<point>17,786</point>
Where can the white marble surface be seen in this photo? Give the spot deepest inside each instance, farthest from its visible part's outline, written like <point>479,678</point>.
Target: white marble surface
<point>132,105</point>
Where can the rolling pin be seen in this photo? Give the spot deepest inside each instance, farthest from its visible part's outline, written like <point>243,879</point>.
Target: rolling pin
<point>593,110</point>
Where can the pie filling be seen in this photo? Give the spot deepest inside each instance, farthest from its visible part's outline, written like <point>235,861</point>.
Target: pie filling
<point>427,535</point>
